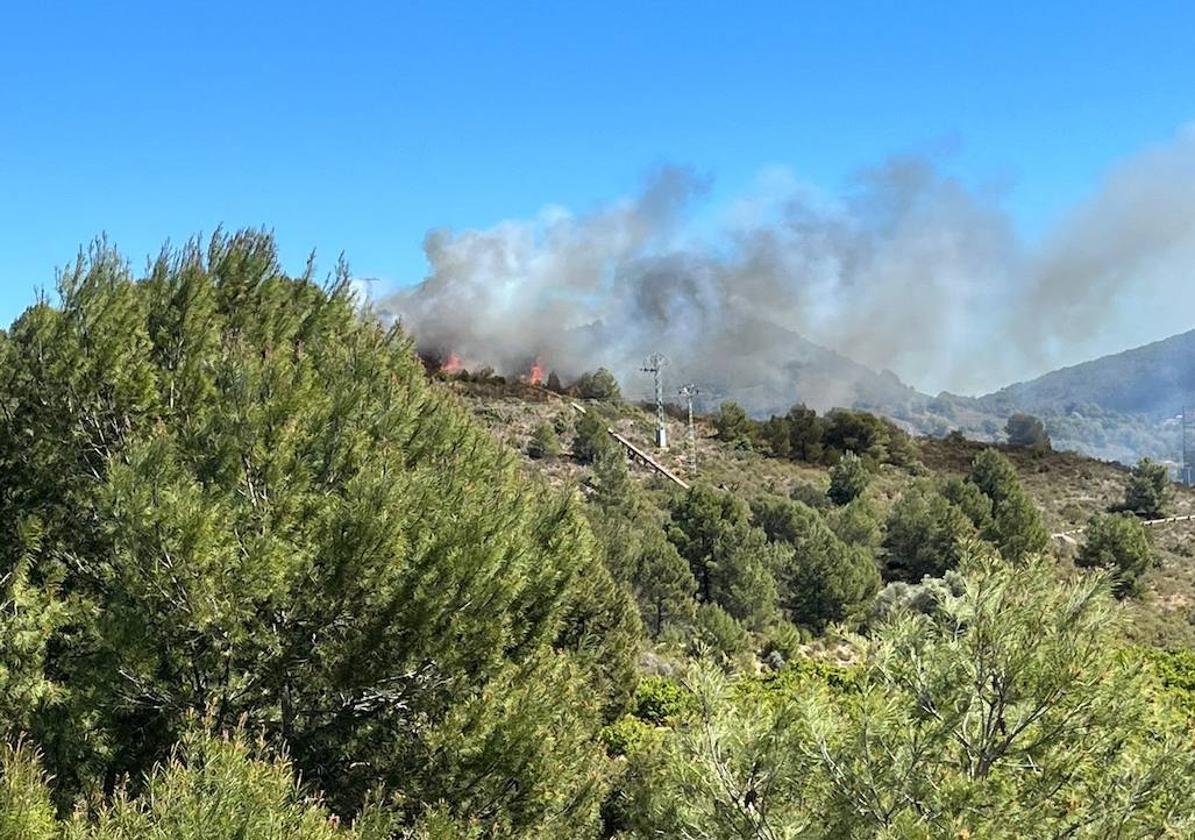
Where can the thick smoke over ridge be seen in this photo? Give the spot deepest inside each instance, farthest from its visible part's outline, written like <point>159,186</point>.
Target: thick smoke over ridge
<point>912,271</point>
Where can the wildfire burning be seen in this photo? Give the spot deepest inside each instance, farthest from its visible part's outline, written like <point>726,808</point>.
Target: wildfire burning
<point>451,364</point>
<point>536,375</point>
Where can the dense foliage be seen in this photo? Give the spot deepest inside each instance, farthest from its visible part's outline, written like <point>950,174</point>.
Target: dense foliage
<point>803,435</point>
<point>1120,545</point>
<point>1005,714</point>
<point>225,494</point>
<point>597,385</point>
<point>260,578</point>
<point>1148,492</point>
<point>1027,431</point>
<point>848,479</point>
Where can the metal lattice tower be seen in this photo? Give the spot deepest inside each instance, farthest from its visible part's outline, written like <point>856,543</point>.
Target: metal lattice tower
<point>1187,475</point>
<point>654,364</point>
<point>689,392</point>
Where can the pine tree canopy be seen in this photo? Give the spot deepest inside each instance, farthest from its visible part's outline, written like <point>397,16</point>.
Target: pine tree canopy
<point>250,506</point>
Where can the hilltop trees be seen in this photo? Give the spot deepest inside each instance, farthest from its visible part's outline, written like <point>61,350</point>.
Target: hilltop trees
<point>801,435</point>
<point>598,385</point>
<point>257,510</point>
<point>1027,431</point>
<point>544,442</point>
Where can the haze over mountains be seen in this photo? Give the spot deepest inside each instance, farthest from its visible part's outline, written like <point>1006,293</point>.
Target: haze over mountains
<point>1155,380</point>
<point>1121,406</point>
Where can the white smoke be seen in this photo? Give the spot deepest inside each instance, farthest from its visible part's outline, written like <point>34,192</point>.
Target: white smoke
<point>911,270</point>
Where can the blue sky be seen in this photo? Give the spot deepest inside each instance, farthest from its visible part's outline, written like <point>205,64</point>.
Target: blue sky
<point>356,127</point>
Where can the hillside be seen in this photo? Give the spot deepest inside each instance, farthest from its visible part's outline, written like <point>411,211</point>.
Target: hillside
<point>1155,381</point>
<point>1121,407</point>
<point>1067,487</point>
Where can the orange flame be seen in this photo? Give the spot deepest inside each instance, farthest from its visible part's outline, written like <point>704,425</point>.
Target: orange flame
<point>536,376</point>
<point>452,364</point>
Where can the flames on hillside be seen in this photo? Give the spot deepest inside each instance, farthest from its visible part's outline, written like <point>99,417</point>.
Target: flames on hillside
<point>535,375</point>
<point>452,365</point>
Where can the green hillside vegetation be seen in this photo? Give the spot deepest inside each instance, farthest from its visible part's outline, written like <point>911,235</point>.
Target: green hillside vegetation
<point>263,573</point>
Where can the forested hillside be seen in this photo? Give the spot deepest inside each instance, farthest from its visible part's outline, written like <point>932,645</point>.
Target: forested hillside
<point>265,574</point>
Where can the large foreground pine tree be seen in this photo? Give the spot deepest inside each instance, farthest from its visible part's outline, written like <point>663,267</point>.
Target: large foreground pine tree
<point>237,500</point>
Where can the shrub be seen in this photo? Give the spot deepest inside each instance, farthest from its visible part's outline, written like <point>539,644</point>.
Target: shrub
<point>1016,526</point>
<point>820,578</point>
<point>661,701</point>
<point>591,438</point>
<point>543,443</point>
<point>808,493</point>
<point>848,479</point>
<point>718,630</point>
<point>1148,492</point>
<point>734,426</point>
<point>1120,545</point>
<point>732,561</point>
<point>211,787</point>
<point>598,385</point>
<point>1027,431</point>
<point>926,536</point>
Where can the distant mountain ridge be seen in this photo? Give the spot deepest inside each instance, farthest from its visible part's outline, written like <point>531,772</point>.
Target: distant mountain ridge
<point>1119,407</point>
<point>1154,380</point>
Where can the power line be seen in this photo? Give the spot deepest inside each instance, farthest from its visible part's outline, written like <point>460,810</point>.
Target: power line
<point>689,392</point>
<point>654,364</point>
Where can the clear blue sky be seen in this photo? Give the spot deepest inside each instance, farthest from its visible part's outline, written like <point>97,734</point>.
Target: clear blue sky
<point>358,126</point>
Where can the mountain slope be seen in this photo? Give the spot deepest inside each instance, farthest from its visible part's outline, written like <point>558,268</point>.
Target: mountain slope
<point>1154,380</point>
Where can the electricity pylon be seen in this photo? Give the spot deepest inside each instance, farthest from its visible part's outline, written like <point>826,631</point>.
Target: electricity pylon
<point>654,365</point>
<point>689,392</point>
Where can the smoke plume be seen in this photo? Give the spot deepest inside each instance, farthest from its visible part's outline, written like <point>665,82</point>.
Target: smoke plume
<point>910,270</point>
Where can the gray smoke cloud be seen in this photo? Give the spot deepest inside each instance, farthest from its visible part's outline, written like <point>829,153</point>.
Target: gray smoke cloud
<point>1120,269</point>
<point>911,270</point>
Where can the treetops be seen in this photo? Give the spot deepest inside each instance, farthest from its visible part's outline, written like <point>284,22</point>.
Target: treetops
<point>226,493</point>
<point>1008,712</point>
<point>803,435</point>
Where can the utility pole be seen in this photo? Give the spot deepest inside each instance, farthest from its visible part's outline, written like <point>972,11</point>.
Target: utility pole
<point>689,392</point>
<point>654,365</point>
<point>1187,477</point>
